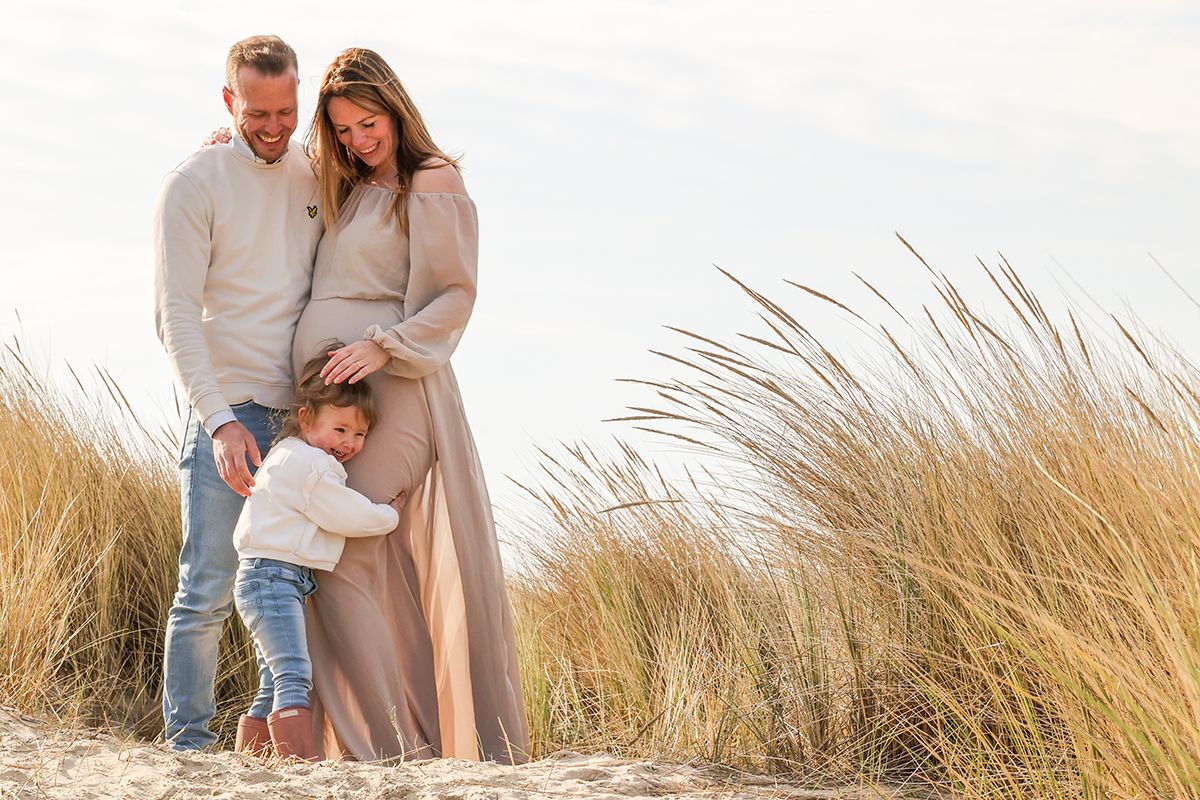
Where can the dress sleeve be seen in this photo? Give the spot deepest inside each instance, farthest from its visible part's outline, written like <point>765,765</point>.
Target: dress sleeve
<point>443,234</point>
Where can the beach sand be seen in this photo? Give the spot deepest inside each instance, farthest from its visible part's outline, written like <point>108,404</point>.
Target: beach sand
<point>44,760</point>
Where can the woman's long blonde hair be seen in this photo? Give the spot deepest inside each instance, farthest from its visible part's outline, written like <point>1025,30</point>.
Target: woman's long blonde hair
<point>365,79</point>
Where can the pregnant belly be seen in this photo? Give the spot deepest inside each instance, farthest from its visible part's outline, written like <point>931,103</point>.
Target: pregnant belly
<point>338,319</point>
<point>398,451</point>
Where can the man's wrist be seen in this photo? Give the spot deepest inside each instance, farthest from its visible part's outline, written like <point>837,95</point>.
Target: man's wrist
<point>217,419</point>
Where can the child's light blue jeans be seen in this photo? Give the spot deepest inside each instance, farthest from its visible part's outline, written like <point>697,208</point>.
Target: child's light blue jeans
<point>269,596</point>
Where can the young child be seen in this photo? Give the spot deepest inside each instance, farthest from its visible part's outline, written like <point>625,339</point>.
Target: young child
<point>295,521</point>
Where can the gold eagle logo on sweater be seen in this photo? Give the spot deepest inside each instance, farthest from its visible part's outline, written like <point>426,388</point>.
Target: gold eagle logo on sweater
<point>312,212</point>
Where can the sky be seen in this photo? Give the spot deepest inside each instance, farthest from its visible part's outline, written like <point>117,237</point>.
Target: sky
<point>618,152</point>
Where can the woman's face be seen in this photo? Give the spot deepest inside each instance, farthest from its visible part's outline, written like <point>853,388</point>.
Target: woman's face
<point>369,135</point>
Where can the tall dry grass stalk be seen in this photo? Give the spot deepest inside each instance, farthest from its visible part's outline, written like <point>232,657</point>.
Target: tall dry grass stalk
<point>89,542</point>
<point>970,558</point>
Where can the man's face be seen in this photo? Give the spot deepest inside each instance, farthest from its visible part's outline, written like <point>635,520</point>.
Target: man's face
<point>264,110</point>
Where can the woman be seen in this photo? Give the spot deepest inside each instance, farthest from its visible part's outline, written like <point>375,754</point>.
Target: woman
<point>411,636</point>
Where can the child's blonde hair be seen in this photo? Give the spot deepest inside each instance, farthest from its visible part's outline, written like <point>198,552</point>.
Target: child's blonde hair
<point>312,393</point>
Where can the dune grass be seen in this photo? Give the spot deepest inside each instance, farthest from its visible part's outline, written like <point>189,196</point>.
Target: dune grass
<point>89,542</point>
<point>968,558</point>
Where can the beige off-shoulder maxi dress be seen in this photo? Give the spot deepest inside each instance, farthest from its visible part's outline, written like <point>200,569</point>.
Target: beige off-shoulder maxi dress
<point>411,635</point>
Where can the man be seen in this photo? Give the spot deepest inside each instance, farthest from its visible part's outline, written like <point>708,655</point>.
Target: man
<point>236,230</point>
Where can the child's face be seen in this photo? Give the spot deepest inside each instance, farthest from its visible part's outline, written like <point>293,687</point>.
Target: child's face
<point>336,430</point>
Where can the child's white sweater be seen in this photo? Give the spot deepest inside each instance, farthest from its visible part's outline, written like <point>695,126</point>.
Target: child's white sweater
<point>301,509</point>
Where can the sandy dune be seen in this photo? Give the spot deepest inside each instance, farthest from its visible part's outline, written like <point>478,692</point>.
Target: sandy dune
<point>38,760</point>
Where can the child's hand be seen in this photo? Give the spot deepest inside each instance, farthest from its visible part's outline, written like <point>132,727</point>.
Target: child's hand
<point>398,502</point>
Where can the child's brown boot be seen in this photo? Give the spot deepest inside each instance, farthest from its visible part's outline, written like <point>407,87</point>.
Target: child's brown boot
<point>253,737</point>
<point>292,733</point>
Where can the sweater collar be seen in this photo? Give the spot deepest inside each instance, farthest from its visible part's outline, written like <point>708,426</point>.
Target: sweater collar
<point>245,151</point>
<point>316,453</point>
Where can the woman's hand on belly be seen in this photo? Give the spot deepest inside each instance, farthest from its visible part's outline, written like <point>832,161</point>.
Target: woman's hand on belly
<point>354,362</point>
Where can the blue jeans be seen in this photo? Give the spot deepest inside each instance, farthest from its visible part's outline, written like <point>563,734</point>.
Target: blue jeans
<point>270,599</point>
<point>207,563</point>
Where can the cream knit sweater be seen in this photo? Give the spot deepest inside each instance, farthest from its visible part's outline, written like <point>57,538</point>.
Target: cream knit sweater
<point>234,242</point>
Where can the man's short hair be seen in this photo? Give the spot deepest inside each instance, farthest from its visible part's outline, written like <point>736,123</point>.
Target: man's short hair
<point>269,55</point>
